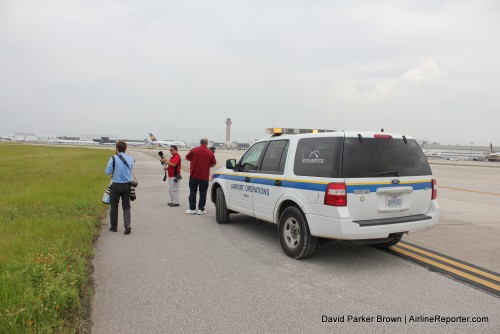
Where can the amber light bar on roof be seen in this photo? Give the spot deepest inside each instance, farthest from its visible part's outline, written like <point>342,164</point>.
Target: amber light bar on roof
<point>291,131</point>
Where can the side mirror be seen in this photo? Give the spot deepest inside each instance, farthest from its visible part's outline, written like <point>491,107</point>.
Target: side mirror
<point>230,163</point>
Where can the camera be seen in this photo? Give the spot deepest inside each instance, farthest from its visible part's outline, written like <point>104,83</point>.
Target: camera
<point>177,178</point>
<point>133,185</point>
<point>161,156</point>
<point>212,148</point>
<point>163,164</point>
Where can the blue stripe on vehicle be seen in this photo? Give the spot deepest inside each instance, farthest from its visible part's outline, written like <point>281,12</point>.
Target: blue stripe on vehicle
<point>305,185</point>
<point>266,182</point>
<point>372,187</point>
<point>229,177</point>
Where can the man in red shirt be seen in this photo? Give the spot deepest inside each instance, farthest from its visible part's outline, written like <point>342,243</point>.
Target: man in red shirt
<point>202,158</point>
<point>173,168</point>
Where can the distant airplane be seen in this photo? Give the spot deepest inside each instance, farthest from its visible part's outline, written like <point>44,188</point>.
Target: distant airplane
<point>432,155</point>
<point>133,144</point>
<point>162,143</point>
<point>492,156</point>
<point>72,142</point>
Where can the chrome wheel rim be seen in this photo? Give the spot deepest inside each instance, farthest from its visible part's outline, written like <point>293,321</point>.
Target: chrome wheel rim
<point>291,233</point>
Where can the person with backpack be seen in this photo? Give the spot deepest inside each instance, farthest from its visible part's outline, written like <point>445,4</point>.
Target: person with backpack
<point>120,165</point>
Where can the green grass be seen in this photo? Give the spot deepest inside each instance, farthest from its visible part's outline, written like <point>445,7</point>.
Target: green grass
<point>50,216</point>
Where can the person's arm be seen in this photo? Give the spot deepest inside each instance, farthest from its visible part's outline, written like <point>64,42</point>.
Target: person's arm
<point>189,155</point>
<point>174,161</point>
<point>109,167</point>
<point>213,162</point>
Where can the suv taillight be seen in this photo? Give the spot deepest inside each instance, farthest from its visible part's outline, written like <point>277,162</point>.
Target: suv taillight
<point>434,189</point>
<point>336,194</point>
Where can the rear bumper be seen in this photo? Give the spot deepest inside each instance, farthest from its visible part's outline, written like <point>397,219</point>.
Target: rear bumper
<point>346,229</point>
<point>389,221</point>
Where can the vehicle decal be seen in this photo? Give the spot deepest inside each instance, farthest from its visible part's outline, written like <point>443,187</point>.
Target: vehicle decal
<point>321,186</point>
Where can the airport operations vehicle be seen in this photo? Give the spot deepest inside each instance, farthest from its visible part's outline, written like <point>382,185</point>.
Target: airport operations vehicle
<point>364,187</point>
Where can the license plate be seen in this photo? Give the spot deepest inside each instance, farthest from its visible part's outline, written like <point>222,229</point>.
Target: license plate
<point>394,200</point>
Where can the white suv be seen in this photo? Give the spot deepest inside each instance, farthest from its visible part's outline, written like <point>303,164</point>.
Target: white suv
<point>369,187</point>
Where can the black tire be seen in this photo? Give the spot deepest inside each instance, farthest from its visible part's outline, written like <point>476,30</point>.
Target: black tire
<point>221,212</point>
<point>394,241</point>
<point>295,237</point>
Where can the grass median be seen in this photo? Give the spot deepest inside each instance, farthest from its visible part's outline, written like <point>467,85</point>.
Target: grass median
<point>50,216</point>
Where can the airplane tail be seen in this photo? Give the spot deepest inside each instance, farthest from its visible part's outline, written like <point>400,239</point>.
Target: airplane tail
<point>152,137</point>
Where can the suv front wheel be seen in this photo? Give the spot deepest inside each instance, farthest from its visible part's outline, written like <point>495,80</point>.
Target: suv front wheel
<point>221,212</point>
<point>295,238</point>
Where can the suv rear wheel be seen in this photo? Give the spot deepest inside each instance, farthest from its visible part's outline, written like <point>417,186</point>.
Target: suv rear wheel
<point>221,212</point>
<point>295,237</point>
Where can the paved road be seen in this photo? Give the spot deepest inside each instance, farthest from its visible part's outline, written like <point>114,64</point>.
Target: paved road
<point>178,273</point>
<point>469,226</point>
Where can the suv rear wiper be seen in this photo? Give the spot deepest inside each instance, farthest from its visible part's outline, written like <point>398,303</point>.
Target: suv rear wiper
<point>389,172</point>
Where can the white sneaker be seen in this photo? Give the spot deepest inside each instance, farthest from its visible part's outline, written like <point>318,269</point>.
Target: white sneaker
<point>201,212</point>
<point>190,212</point>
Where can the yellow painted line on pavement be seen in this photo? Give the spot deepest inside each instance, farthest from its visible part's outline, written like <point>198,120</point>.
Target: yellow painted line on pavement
<point>456,264</point>
<point>470,191</point>
<point>447,268</point>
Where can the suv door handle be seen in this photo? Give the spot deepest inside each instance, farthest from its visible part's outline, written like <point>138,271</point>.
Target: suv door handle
<point>277,183</point>
<point>247,179</point>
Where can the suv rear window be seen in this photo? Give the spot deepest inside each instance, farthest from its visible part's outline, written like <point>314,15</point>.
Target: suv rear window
<point>318,157</point>
<point>382,157</point>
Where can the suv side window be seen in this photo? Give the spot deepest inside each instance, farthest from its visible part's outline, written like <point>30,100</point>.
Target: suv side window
<point>275,157</point>
<point>318,157</point>
<point>250,161</point>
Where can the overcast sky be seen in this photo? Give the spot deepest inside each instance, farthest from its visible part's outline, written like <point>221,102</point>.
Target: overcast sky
<point>430,69</point>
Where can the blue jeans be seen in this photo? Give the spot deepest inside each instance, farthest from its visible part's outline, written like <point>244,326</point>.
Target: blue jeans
<point>194,184</point>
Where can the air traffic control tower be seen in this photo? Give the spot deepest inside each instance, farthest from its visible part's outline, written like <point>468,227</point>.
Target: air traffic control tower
<point>228,132</point>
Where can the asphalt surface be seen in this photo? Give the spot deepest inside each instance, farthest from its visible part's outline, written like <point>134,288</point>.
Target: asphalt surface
<point>469,225</point>
<point>179,273</point>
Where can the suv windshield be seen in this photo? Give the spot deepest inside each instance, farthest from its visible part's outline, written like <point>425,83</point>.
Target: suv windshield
<point>382,157</point>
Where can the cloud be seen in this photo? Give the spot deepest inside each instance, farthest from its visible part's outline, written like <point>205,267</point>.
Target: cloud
<point>362,65</point>
<point>427,71</point>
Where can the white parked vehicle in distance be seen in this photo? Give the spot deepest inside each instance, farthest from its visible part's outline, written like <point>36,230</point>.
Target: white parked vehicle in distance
<point>368,187</point>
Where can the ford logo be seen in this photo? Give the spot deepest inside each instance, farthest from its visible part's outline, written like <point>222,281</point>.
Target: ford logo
<point>395,181</point>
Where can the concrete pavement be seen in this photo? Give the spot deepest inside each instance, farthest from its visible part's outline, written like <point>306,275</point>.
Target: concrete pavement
<point>179,273</point>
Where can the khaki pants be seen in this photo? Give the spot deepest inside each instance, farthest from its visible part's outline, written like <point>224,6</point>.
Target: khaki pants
<point>174,190</point>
